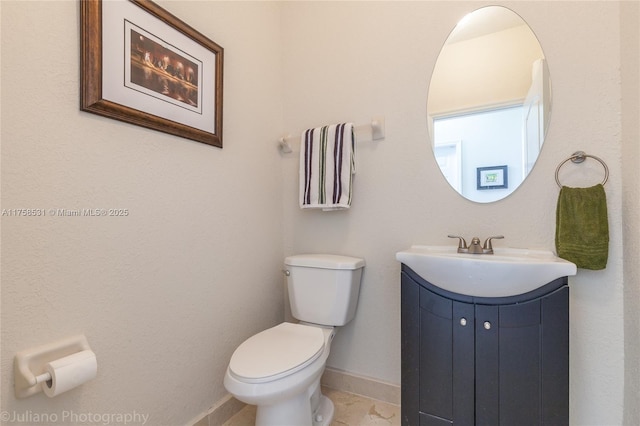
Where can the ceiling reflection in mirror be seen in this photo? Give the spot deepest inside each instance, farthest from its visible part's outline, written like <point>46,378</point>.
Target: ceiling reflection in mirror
<point>489,104</point>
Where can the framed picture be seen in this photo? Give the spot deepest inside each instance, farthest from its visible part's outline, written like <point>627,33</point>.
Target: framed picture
<point>495,177</point>
<point>142,65</point>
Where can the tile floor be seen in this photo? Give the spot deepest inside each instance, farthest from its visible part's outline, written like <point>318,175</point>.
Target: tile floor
<point>350,410</point>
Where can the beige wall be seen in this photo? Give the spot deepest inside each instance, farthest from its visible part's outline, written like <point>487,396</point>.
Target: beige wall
<point>166,294</point>
<point>483,72</point>
<point>630,71</point>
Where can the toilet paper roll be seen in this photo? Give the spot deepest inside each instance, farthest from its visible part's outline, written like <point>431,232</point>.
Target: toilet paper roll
<point>70,372</point>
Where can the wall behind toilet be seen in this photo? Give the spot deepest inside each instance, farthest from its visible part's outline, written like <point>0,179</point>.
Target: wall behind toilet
<point>377,59</point>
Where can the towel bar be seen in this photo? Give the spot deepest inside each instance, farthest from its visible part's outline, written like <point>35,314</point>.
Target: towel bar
<point>577,158</point>
<point>373,132</point>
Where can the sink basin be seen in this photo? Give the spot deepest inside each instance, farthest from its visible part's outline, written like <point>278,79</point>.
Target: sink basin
<point>507,272</point>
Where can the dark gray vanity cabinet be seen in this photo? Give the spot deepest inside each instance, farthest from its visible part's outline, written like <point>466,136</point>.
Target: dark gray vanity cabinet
<point>484,361</point>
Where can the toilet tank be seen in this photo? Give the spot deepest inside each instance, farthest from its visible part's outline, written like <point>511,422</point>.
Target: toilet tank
<point>324,288</point>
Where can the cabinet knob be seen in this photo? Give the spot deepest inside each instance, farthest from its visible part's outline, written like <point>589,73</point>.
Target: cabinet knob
<point>487,325</point>
<point>463,321</point>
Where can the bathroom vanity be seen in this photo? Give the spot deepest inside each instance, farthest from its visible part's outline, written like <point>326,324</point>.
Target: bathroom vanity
<point>469,360</point>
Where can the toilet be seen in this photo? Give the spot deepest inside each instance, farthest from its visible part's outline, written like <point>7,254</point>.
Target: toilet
<point>279,369</point>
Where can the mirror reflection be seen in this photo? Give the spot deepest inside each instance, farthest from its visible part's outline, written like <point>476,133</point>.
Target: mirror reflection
<point>489,104</point>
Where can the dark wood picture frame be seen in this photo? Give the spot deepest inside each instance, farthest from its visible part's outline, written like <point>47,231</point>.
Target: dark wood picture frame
<point>91,81</point>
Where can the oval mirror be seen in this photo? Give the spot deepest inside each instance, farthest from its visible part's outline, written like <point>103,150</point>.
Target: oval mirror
<point>489,104</point>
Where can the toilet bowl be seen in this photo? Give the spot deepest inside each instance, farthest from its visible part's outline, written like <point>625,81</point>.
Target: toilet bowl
<point>279,369</point>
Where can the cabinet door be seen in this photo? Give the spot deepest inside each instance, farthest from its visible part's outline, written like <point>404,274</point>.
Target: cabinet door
<point>436,357</point>
<point>508,364</point>
<point>446,361</point>
<point>520,348</point>
<point>522,362</point>
<point>555,358</point>
<point>487,365</point>
<point>410,344</point>
<point>463,364</point>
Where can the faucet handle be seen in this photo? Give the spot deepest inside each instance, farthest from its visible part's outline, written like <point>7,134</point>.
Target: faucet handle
<point>487,243</point>
<point>462,243</point>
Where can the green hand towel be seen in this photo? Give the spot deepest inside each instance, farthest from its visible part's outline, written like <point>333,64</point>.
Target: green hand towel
<point>582,226</point>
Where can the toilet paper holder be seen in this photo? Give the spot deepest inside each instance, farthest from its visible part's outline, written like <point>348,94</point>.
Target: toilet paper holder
<point>29,365</point>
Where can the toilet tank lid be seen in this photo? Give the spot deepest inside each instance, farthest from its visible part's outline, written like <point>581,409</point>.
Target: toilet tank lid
<point>324,261</point>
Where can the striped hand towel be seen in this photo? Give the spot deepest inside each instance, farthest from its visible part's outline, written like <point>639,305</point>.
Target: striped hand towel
<point>327,165</point>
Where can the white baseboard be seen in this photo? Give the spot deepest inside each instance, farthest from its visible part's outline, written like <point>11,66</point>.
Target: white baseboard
<point>361,385</point>
<point>228,406</point>
<point>222,411</point>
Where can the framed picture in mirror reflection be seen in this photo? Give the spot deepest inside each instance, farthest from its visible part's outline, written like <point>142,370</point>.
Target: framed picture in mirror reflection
<point>494,177</point>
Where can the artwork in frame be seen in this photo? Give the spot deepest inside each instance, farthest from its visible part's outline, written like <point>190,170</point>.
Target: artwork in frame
<point>142,65</point>
<point>495,177</point>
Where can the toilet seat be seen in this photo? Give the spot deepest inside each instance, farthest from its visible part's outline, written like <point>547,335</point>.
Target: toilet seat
<point>276,352</point>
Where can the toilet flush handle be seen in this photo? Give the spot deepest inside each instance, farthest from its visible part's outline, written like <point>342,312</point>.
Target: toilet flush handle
<point>286,272</point>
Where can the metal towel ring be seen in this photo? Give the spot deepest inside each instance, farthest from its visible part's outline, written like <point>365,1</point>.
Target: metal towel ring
<point>577,158</point>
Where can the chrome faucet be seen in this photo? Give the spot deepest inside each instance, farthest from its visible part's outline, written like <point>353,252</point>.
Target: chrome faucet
<point>475,247</point>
